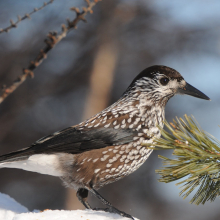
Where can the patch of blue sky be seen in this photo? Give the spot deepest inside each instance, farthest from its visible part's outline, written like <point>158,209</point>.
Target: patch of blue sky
<point>199,13</point>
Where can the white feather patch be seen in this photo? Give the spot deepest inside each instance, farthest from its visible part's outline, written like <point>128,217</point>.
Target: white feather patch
<point>40,163</point>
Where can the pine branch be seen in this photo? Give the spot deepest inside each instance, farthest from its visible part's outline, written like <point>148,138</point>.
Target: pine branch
<point>28,15</point>
<point>52,40</point>
<point>197,159</point>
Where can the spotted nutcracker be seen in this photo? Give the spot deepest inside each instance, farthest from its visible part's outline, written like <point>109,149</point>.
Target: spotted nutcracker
<point>107,146</point>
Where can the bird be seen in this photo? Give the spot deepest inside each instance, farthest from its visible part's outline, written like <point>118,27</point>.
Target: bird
<point>109,145</point>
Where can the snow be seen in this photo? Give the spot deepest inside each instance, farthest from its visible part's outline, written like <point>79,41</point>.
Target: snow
<point>9,207</point>
<point>12,210</point>
<point>66,215</point>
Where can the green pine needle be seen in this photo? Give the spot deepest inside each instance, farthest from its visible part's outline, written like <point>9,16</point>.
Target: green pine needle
<point>197,158</point>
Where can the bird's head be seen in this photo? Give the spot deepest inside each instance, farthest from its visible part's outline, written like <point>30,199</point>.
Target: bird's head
<point>160,83</point>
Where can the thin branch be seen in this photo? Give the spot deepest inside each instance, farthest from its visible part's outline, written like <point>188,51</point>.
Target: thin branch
<point>52,40</point>
<point>14,24</point>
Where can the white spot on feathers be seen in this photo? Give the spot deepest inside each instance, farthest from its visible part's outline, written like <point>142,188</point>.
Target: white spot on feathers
<point>96,125</point>
<point>95,160</point>
<point>117,127</point>
<point>139,127</point>
<point>96,170</point>
<point>131,126</point>
<point>136,120</point>
<point>106,126</point>
<point>112,170</point>
<point>104,157</point>
<point>115,122</point>
<point>129,120</point>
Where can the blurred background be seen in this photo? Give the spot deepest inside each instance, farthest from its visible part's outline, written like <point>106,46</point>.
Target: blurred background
<point>88,71</point>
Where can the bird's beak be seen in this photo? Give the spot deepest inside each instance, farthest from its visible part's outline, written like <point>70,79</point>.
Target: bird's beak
<point>190,90</point>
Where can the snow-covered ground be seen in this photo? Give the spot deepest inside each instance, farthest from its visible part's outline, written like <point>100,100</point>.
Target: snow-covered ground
<point>12,210</point>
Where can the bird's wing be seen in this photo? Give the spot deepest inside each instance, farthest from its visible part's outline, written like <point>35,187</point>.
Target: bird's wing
<point>74,141</point>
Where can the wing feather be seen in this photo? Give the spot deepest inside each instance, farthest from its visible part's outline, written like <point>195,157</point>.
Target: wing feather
<point>74,141</point>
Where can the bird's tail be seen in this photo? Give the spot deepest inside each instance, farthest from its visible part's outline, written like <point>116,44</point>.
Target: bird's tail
<point>13,156</point>
<point>40,163</point>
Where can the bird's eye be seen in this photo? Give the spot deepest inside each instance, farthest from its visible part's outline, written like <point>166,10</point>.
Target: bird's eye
<point>164,81</point>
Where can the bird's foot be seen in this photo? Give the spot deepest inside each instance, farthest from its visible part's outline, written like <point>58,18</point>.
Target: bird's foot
<point>114,210</point>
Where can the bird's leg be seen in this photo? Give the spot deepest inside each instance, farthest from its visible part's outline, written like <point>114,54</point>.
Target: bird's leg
<point>82,195</point>
<point>111,208</point>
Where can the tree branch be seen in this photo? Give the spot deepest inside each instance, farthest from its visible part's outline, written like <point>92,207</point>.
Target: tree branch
<point>198,159</point>
<point>52,40</point>
<point>28,15</point>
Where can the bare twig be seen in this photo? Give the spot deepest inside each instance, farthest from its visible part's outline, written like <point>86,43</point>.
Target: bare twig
<point>52,40</point>
<point>14,24</point>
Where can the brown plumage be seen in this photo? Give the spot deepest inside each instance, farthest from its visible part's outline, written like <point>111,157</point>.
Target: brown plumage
<point>108,146</point>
